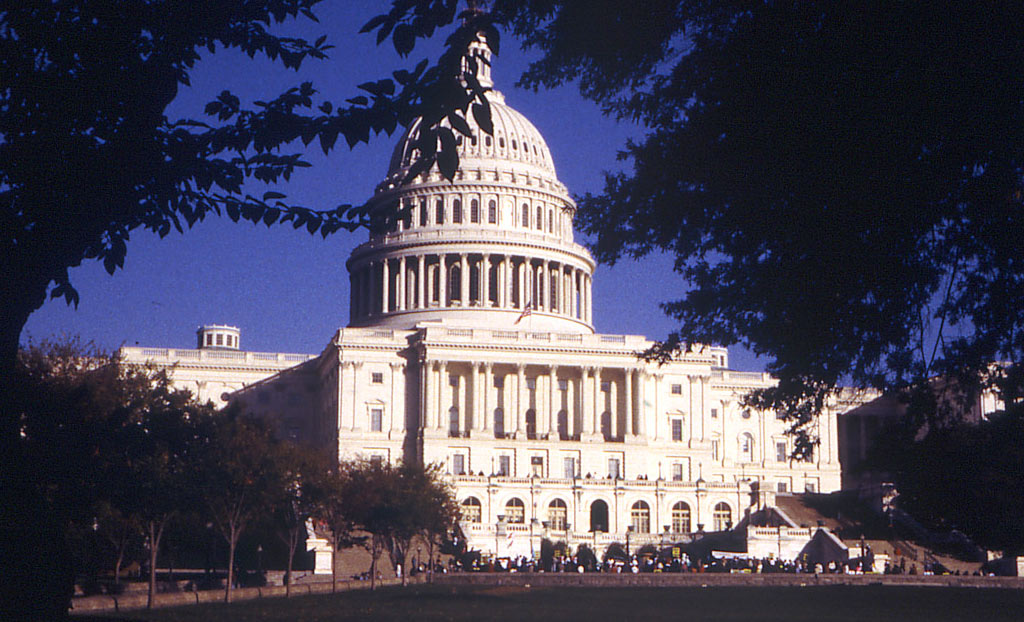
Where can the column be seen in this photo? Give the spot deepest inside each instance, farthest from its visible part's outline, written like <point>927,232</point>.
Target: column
<point>397,398</point>
<point>629,431</point>
<point>521,400</point>
<point>553,403</point>
<point>485,397</point>
<point>356,366</point>
<point>573,305</point>
<point>368,288</point>
<point>506,283</point>
<point>571,406</point>
<point>385,284</point>
<point>521,268</point>
<point>443,396</point>
<point>545,290</point>
<point>400,285</point>
<point>641,403</point>
<point>485,280</point>
<point>427,390</point>
<point>464,280</point>
<point>421,302</point>
<point>442,284</point>
<point>589,402</point>
<point>598,402</point>
<point>470,420</point>
<point>590,302</point>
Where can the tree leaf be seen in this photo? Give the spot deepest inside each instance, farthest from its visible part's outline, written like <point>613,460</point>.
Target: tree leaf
<point>482,115</point>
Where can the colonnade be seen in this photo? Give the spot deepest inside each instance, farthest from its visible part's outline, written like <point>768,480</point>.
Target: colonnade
<point>453,280</point>
<point>518,400</point>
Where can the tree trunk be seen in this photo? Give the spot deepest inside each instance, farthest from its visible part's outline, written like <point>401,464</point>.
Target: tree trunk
<point>430,560</point>
<point>232,542</point>
<point>155,533</point>
<point>373,562</point>
<point>293,543</point>
<point>334,564</point>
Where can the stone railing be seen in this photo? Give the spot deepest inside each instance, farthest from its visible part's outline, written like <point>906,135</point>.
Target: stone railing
<point>169,356</point>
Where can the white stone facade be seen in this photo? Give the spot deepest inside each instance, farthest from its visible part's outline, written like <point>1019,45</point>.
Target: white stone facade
<point>471,344</point>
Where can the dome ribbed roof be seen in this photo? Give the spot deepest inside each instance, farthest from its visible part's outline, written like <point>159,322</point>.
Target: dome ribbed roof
<point>515,143</point>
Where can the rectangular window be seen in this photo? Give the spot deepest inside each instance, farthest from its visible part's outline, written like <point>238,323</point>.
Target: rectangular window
<point>714,413</point>
<point>569,467</point>
<point>377,461</point>
<point>677,389</point>
<point>810,487</point>
<point>453,380</point>
<point>780,451</point>
<point>504,466</point>
<point>783,487</point>
<point>499,382</point>
<point>209,339</point>
<point>377,377</point>
<point>376,419</point>
<point>537,466</point>
<point>677,429</point>
<point>677,472</point>
<point>613,468</point>
<point>531,384</point>
<point>220,340</point>
<point>714,450</point>
<point>563,385</point>
<point>606,386</point>
<point>458,464</point>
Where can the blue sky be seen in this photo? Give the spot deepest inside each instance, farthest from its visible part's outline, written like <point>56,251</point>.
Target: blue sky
<point>287,290</point>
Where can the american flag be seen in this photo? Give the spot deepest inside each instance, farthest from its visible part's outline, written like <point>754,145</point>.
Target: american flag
<point>527,311</point>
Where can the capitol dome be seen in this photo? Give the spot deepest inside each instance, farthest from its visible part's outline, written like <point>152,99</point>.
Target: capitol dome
<point>491,247</point>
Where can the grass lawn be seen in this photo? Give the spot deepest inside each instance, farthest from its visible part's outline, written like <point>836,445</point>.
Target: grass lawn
<point>793,604</point>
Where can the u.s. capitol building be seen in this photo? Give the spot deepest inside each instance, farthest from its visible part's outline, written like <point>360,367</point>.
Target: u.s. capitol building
<point>471,344</point>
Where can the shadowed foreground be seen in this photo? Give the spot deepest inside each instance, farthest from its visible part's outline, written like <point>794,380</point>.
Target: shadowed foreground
<point>846,603</point>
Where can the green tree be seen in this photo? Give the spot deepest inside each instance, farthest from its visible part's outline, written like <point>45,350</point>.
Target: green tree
<point>328,490</point>
<point>163,450</point>
<point>105,441</point>
<point>963,476</point>
<point>298,503</point>
<point>840,184</point>
<point>241,471</point>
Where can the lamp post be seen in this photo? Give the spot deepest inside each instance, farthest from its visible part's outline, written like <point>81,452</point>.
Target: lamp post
<point>702,491</point>
<point>629,532</point>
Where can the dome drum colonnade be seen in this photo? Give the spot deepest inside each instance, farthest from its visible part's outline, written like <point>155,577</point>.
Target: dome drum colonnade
<point>496,239</point>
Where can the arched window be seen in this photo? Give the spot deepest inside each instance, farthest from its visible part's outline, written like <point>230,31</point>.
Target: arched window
<point>531,424</point>
<point>471,510</point>
<point>439,212</point>
<point>557,513</point>
<point>423,212</point>
<point>515,511</point>
<point>681,518</point>
<point>551,221</point>
<point>526,215</point>
<point>722,516</point>
<point>457,212</point>
<point>640,517</point>
<point>453,421</point>
<point>501,142</point>
<point>540,218</point>
<point>499,423</point>
<point>492,212</point>
<point>487,140</point>
<point>474,210</point>
<point>746,447</point>
<point>454,283</point>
